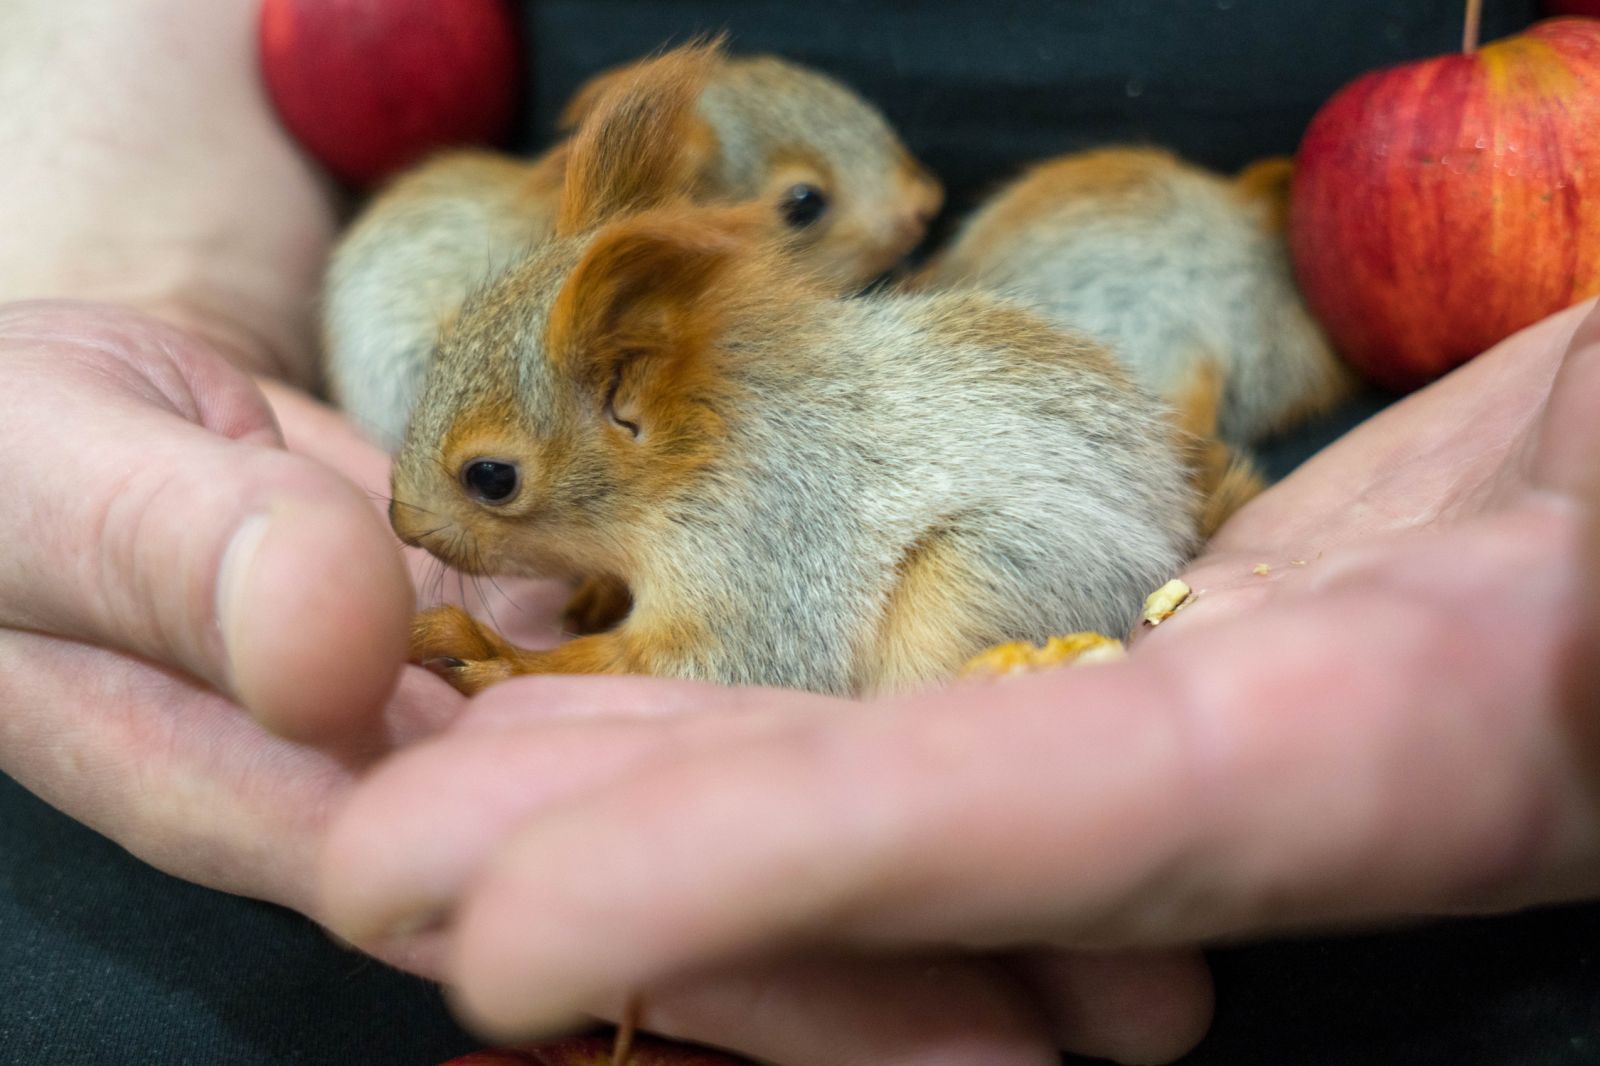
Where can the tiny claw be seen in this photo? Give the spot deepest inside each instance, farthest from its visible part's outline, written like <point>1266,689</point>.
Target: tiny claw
<point>442,665</point>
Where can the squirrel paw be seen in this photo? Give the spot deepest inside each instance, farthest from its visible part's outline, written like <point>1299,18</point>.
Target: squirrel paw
<point>1020,657</point>
<point>598,605</point>
<point>452,644</point>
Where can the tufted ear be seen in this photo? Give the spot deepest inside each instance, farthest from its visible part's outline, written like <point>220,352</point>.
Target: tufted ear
<point>645,287</point>
<point>639,141</point>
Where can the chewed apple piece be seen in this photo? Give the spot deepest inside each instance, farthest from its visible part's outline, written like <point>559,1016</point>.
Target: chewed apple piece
<point>1165,602</point>
<point>1020,657</point>
<point>596,1051</point>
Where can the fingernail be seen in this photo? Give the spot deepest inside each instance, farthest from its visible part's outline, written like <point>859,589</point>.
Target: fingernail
<point>233,583</point>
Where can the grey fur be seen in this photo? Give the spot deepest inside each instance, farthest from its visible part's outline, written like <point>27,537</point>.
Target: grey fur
<point>1169,265</point>
<point>856,431</point>
<point>403,272</point>
<point>454,223</point>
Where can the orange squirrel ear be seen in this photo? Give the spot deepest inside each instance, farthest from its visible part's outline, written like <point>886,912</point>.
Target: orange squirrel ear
<point>645,286</point>
<point>640,142</point>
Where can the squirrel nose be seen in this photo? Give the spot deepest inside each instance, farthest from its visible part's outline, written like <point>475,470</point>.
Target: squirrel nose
<point>399,520</point>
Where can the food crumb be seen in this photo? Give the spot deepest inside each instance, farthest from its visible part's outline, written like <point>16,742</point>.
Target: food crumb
<point>1165,602</point>
<point>1020,657</point>
<point>1261,570</point>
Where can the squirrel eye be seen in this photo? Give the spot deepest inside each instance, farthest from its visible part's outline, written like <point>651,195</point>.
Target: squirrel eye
<point>802,205</point>
<point>490,480</point>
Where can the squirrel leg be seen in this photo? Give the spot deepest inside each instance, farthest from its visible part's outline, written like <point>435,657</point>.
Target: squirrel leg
<point>931,623</point>
<point>471,656</point>
<point>454,645</point>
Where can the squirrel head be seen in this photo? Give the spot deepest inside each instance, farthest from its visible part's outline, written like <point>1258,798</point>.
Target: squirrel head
<point>837,182</point>
<point>582,394</point>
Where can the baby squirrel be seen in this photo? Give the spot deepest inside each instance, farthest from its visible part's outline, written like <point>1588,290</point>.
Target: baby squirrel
<point>827,166</point>
<point>850,496</point>
<point>1185,274</point>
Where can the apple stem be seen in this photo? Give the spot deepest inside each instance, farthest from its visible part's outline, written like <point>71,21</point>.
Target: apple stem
<point>622,1044</point>
<point>1469,32</point>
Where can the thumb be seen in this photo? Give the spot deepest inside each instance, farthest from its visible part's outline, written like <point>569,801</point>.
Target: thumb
<point>151,509</point>
<point>1569,436</point>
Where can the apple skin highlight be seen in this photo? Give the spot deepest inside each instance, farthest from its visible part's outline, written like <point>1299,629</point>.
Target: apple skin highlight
<point>1440,206</point>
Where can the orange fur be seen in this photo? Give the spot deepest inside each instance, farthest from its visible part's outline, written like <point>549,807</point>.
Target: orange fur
<point>471,656</point>
<point>641,143</point>
<point>540,183</point>
<point>1268,180</point>
<point>1224,480</point>
<point>635,321</point>
<point>922,633</point>
<point>640,285</point>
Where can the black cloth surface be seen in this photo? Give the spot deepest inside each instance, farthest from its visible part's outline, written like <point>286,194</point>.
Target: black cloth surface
<point>108,961</point>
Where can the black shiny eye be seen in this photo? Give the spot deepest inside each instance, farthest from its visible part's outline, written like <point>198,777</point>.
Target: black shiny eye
<point>490,480</point>
<point>802,205</point>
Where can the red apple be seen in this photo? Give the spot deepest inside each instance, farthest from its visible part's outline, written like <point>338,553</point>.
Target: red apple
<point>1442,205</point>
<point>1572,7</point>
<point>596,1051</point>
<point>368,86</point>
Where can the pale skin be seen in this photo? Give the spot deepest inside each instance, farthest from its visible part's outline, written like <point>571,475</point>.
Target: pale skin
<point>211,718</point>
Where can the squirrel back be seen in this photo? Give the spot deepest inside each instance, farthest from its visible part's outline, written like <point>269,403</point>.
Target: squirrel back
<point>849,496</point>
<point>832,175</point>
<point>1184,273</point>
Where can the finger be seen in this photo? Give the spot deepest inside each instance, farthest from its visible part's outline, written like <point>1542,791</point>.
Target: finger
<point>1124,1006</point>
<point>173,772</point>
<point>417,829</point>
<point>164,766</point>
<point>157,516</point>
<point>1245,779</point>
<point>1569,436</point>
<point>848,1013</point>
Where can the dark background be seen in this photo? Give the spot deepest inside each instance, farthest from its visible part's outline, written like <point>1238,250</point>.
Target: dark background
<point>107,961</point>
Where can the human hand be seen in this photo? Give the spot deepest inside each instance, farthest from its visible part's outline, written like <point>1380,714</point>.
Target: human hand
<point>169,565</point>
<point>1404,724</point>
<point>144,166</point>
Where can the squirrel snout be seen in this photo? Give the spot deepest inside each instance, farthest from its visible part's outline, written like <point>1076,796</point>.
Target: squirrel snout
<point>909,228</point>
<point>921,198</point>
<point>402,520</point>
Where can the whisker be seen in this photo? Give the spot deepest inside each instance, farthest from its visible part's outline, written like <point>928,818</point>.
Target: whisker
<point>405,503</point>
<point>504,595</point>
<point>431,532</point>
<point>477,585</point>
<point>436,580</point>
